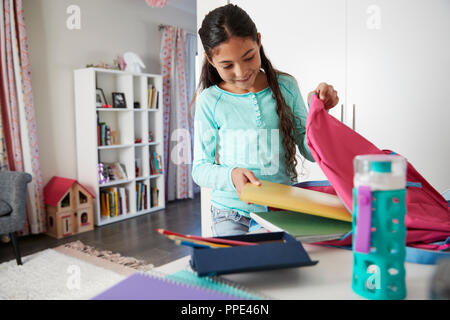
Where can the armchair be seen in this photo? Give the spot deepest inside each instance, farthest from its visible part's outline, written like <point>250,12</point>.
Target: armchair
<point>13,191</point>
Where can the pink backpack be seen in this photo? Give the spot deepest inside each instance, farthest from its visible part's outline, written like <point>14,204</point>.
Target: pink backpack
<point>428,213</point>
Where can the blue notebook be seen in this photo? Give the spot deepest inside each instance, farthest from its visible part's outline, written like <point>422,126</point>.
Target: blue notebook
<point>276,250</point>
<point>140,286</point>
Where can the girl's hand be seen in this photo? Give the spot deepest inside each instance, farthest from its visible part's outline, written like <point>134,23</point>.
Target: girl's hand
<point>241,177</point>
<point>327,94</point>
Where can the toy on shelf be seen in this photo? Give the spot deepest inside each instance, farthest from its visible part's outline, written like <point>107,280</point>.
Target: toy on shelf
<point>69,207</point>
<point>133,62</point>
<point>117,64</point>
<point>102,179</point>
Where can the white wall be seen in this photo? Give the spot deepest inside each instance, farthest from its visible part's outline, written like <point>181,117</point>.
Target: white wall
<point>108,28</point>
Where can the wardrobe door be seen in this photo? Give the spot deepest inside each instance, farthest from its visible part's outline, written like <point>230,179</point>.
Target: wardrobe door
<point>398,68</point>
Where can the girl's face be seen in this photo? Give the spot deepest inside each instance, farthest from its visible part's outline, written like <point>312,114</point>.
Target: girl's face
<point>238,63</point>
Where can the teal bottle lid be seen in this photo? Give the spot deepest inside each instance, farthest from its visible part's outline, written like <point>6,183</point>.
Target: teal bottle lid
<point>380,166</point>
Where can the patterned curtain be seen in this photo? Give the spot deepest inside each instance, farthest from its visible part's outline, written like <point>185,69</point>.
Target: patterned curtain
<point>3,153</point>
<point>18,137</point>
<point>177,131</point>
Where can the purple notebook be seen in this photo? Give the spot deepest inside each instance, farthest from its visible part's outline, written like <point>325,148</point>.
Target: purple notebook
<point>147,287</point>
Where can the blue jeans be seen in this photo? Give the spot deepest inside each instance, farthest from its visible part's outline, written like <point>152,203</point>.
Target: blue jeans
<point>228,222</point>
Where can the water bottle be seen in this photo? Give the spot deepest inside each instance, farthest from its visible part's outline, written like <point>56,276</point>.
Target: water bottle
<point>379,231</point>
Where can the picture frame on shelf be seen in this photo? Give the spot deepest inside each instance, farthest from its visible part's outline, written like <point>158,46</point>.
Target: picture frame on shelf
<point>119,100</point>
<point>100,99</point>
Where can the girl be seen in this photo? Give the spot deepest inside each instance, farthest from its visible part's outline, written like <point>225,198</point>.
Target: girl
<point>249,115</point>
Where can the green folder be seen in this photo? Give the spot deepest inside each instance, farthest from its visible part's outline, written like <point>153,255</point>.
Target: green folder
<point>304,227</point>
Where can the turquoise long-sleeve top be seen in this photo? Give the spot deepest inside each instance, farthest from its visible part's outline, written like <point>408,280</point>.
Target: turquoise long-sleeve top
<point>245,130</point>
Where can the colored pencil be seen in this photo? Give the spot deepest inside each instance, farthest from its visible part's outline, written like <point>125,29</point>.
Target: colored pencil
<point>210,244</point>
<point>192,244</point>
<point>215,240</point>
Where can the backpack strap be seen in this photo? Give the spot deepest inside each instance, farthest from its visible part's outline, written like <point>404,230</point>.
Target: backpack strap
<point>422,256</point>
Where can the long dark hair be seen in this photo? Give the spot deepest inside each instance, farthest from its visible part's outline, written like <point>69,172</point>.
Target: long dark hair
<point>218,27</point>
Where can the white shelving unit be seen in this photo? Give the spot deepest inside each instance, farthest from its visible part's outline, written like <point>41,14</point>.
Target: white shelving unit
<point>130,124</point>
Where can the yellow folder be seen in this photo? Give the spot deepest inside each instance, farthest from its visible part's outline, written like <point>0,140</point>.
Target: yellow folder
<point>286,197</point>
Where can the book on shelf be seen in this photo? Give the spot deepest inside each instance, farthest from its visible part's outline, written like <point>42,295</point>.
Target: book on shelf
<point>145,198</point>
<point>141,196</point>
<point>153,97</point>
<point>158,158</point>
<point>156,102</point>
<point>108,136</point>
<point>152,166</point>
<point>113,202</point>
<point>154,197</point>
<point>116,202</point>
<point>115,171</point>
<point>99,133</point>
<point>155,164</point>
<point>105,136</point>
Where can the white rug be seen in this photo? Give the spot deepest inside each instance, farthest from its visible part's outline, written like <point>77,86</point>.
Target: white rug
<point>59,274</point>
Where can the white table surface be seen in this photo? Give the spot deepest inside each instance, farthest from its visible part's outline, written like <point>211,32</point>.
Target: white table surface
<point>329,279</point>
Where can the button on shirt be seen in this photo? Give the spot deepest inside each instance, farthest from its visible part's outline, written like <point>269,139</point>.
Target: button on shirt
<point>245,130</point>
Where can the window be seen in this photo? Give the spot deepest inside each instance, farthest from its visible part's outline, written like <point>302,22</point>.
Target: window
<point>84,219</point>
<point>66,201</point>
<point>83,198</point>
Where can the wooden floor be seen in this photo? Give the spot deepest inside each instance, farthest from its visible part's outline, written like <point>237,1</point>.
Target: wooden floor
<point>131,238</point>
